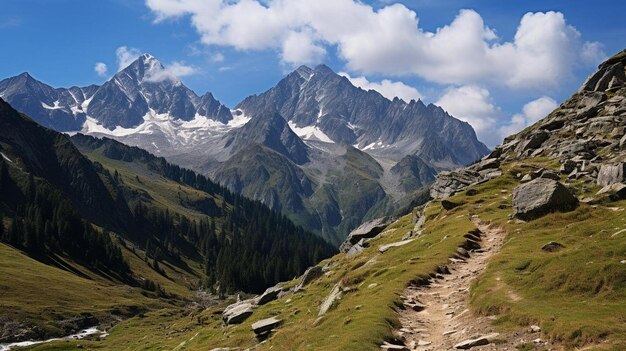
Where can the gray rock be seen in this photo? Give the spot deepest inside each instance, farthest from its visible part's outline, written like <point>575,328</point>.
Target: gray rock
<point>449,183</point>
<point>384,248</point>
<point>615,192</point>
<point>490,163</point>
<point>534,141</point>
<point>611,174</point>
<point>541,196</point>
<point>269,295</point>
<point>526,178</point>
<point>567,166</point>
<point>237,312</point>
<point>468,344</point>
<point>394,347</point>
<point>335,294</point>
<point>310,275</point>
<point>356,249</point>
<point>366,230</point>
<point>552,246</point>
<point>265,325</point>
<point>549,175</point>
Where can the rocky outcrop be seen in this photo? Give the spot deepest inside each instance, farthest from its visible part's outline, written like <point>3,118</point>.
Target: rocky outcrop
<point>269,295</point>
<point>331,299</point>
<point>450,183</point>
<point>614,192</point>
<point>541,196</point>
<point>609,77</point>
<point>366,230</point>
<point>311,274</point>
<point>264,327</point>
<point>612,174</point>
<point>238,312</point>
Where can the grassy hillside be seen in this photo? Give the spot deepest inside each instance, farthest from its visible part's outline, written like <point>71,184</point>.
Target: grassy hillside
<point>126,226</point>
<point>576,294</point>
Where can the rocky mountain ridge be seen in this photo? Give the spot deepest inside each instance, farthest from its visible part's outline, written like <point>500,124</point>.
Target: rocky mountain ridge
<point>586,134</point>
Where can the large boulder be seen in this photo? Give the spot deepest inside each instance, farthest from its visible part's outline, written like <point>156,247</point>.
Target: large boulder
<point>237,312</point>
<point>269,295</point>
<point>366,230</point>
<point>541,196</point>
<point>265,326</point>
<point>610,174</point>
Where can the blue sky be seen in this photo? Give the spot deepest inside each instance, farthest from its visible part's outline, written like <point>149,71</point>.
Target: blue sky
<point>242,48</point>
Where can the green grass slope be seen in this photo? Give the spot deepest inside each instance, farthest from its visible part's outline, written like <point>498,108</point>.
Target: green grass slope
<point>576,294</point>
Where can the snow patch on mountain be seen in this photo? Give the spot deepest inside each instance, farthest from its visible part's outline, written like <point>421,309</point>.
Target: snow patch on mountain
<point>310,133</point>
<point>56,106</point>
<point>175,130</point>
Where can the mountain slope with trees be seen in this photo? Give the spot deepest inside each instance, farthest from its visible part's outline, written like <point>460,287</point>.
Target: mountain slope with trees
<point>123,217</point>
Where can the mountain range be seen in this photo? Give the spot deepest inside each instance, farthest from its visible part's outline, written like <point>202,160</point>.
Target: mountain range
<point>315,147</point>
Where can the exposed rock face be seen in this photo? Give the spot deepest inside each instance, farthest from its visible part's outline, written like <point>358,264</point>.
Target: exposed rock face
<point>541,196</point>
<point>609,77</point>
<point>366,230</point>
<point>610,174</point>
<point>449,183</point>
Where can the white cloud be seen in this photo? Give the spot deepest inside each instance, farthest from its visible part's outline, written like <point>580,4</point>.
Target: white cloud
<point>217,57</point>
<point>386,88</point>
<point>171,72</point>
<point>531,113</point>
<point>156,72</point>
<point>473,105</point>
<point>389,41</point>
<point>300,48</point>
<point>126,56</point>
<point>101,69</point>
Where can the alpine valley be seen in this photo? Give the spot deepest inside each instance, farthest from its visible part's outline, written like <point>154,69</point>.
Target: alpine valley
<point>325,153</point>
<point>315,215</point>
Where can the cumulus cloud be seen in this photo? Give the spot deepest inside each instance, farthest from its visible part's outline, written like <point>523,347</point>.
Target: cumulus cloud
<point>101,69</point>
<point>543,52</point>
<point>473,105</point>
<point>531,113</point>
<point>126,56</point>
<point>171,72</point>
<point>156,72</point>
<point>386,88</point>
<point>300,48</point>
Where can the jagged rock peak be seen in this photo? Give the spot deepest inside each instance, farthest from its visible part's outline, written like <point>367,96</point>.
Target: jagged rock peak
<point>610,77</point>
